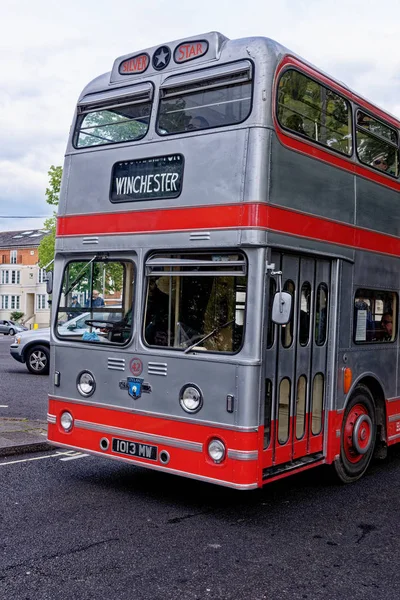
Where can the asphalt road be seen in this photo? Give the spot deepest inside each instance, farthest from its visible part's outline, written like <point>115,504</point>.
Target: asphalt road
<point>21,394</point>
<point>79,527</point>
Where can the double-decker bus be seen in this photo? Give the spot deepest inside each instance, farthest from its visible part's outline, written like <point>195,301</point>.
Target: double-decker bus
<point>228,224</point>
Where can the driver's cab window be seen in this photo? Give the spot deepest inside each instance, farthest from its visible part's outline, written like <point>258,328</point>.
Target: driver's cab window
<point>96,300</point>
<point>196,302</point>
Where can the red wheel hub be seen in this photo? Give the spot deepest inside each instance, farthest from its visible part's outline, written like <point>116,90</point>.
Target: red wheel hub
<point>357,436</point>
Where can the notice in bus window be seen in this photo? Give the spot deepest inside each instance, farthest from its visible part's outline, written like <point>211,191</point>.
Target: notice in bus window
<point>361,326</point>
<point>147,178</point>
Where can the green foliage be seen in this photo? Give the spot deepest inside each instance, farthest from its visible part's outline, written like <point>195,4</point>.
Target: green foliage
<point>16,315</point>
<point>83,277</point>
<point>46,246</point>
<point>53,191</point>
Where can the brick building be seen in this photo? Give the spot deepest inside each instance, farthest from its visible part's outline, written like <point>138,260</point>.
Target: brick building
<point>22,282</point>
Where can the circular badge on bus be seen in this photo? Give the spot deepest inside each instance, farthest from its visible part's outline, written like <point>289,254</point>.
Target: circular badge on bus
<point>161,58</point>
<point>136,366</point>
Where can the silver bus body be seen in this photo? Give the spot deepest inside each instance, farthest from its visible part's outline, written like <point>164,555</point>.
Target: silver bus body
<point>273,201</point>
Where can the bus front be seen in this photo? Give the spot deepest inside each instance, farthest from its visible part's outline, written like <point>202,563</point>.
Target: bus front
<point>158,298</point>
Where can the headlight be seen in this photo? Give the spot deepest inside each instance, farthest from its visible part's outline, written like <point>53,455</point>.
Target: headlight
<point>191,398</point>
<point>66,421</point>
<point>216,450</point>
<point>85,383</point>
<point>18,339</point>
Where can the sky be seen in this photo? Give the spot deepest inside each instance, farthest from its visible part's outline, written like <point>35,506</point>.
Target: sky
<point>50,50</point>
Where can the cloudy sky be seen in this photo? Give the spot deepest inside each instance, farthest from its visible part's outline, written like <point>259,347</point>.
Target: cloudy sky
<point>50,50</point>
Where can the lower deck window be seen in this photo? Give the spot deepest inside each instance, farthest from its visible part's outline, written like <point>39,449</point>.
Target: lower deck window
<point>95,304</point>
<point>375,316</point>
<point>195,301</point>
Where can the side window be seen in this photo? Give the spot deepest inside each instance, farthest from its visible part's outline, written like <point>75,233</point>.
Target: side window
<point>314,111</point>
<point>377,144</point>
<point>287,330</point>
<point>375,316</point>
<point>321,314</point>
<point>304,320</point>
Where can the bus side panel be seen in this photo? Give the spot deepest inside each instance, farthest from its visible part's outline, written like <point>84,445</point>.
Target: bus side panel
<point>305,184</point>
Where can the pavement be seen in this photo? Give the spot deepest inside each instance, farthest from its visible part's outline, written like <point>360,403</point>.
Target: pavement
<point>22,435</point>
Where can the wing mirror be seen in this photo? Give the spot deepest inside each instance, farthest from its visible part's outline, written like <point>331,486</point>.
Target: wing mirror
<point>282,308</point>
<point>282,305</point>
<point>49,282</point>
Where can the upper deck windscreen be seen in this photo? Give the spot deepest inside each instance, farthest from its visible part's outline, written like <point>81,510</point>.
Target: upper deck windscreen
<point>209,101</point>
<point>123,121</point>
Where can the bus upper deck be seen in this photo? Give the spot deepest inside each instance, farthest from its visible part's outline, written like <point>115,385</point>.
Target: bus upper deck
<point>231,123</point>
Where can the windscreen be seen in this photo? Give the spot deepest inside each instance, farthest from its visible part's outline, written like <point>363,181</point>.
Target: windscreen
<point>95,304</point>
<point>196,301</point>
<point>210,103</point>
<point>110,125</point>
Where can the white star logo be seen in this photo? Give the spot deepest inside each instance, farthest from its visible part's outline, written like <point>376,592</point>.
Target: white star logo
<point>161,57</point>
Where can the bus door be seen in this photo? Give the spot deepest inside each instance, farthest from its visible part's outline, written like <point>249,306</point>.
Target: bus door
<point>296,361</point>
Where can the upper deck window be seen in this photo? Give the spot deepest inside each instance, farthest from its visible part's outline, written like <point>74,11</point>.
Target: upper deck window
<point>205,100</point>
<point>312,110</point>
<point>377,144</point>
<point>124,119</point>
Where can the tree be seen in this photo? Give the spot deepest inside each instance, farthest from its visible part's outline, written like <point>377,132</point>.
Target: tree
<point>16,316</point>
<point>108,277</point>
<point>46,246</point>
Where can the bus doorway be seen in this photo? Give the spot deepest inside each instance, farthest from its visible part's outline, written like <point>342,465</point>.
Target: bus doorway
<point>296,362</point>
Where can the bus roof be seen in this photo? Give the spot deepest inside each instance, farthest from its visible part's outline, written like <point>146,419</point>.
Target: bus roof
<point>201,50</point>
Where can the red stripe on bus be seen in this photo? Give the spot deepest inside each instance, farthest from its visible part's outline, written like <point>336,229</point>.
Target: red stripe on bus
<point>251,215</point>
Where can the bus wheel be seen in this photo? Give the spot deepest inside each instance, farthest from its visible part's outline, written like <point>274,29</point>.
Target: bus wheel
<point>358,436</point>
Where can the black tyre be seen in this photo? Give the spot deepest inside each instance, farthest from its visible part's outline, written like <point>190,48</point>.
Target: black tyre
<point>11,332</point>
<point>358,436</point>
<point>38,360</point>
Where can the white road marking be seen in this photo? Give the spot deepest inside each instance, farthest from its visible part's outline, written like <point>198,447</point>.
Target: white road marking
<point>3,405</point>
<point>22,460</point>
<point>78,455</point>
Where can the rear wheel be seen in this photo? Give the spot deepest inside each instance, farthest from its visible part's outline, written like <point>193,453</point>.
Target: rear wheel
<point>37,360</point>
<point>357,437</point>
<point>11,332</point>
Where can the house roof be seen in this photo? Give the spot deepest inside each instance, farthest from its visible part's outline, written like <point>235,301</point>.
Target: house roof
<point>25,238</point>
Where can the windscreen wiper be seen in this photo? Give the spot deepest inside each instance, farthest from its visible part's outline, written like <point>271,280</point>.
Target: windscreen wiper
<point>79,276</point>
<point>213,332</point>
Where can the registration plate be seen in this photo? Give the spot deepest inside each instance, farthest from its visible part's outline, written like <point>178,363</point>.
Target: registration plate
<point>134,449</point>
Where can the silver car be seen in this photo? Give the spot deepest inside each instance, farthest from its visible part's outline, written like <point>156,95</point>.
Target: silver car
<point>33,347</point>
<point>10,328</point>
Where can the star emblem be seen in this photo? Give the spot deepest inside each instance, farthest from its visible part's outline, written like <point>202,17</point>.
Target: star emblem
<point>161,58</point>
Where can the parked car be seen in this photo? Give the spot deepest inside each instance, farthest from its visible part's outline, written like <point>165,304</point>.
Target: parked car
<point>33,347</point>
<point>10,327</point>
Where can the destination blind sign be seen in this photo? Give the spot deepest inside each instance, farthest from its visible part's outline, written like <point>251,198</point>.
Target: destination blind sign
<point>147,178</point>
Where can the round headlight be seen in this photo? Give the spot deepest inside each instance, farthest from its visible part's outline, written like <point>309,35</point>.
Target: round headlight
<point>191,398</point>
<point>217,450</point>
<point>66,421</point>
<point>86,383</point>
